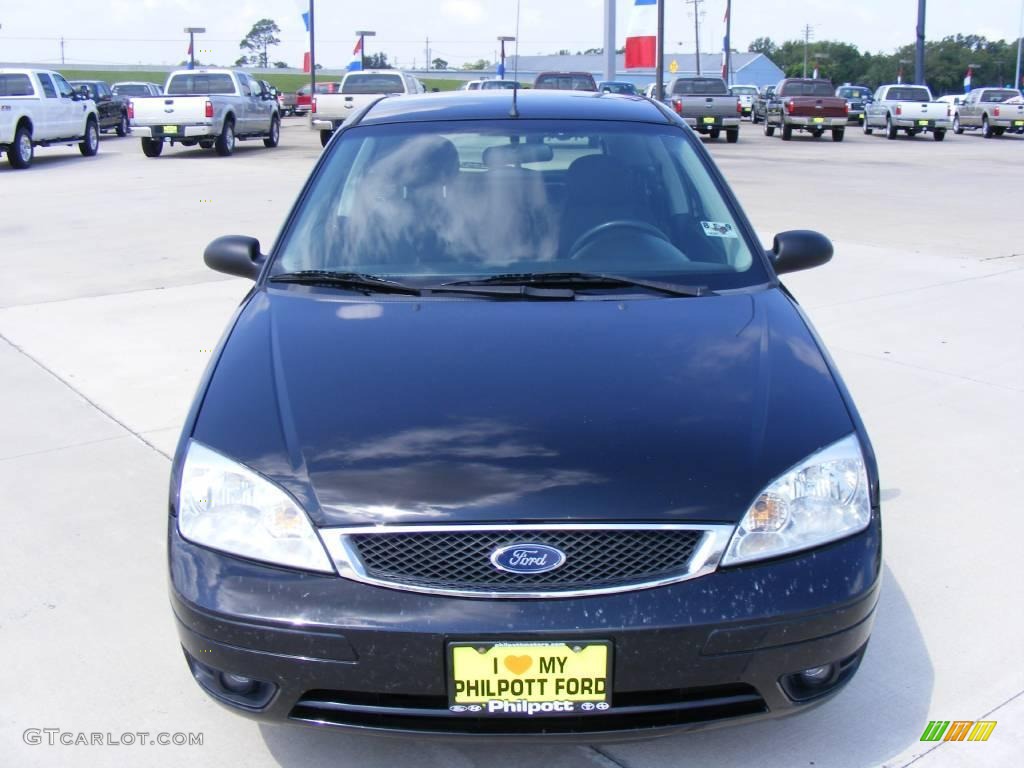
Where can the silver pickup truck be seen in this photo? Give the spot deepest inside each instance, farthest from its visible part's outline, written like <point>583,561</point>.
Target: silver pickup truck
<point>908,108</point>
<point>209,107</point>
<point>994,110</point>
<point>707,106</point>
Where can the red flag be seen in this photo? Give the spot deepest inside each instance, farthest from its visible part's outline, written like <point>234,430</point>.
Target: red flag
<point>305,62</point>
<point>189,47</point>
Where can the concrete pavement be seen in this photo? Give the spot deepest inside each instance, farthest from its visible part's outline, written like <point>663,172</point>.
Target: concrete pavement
<point>107,317</point>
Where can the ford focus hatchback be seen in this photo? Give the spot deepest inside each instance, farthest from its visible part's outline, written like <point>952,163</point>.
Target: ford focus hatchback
<point>518,433</point>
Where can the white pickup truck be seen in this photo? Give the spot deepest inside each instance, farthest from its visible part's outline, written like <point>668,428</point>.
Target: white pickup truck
<point>908,108</point>
<point>358,89</point>
<point>39,108</point>
<point>210,107</point>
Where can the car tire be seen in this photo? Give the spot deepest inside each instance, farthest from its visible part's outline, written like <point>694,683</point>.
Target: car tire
<point>732,136</point>
<point>21,151</point>
<point>123,127</point>
<point>275,133</point>
<point>868,130</point>
<point>90,143</point>
<point>957,128</point>
<point>787,132</point>
<point>939,134</point>
<point>325,136</point>
<point>152,147</point>
<point>225,143</point>
<point>986,128</point>
<point>769,129</point>
<point>753,118</point>
<point>838,134</point>
<point>890,129</point>
<point>714,133</point>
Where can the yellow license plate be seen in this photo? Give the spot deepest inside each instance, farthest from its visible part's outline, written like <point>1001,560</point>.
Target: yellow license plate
<point>528,679</point>
<point>709,119</point>
<point>170,129</point>
<point>1018,122</point>
<point>819,119</point>
<point>922,122</point>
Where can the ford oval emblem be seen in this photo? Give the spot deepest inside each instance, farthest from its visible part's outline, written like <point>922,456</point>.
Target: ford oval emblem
<point>527,558</point>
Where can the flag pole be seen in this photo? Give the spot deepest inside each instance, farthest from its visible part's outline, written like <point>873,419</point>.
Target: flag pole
<point>728,42</point>
<point>659,65</point>
<point>312,53</point>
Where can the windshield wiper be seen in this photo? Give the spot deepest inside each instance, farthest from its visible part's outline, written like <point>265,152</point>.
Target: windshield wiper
<point>586,280</point>
<point>354,280</point>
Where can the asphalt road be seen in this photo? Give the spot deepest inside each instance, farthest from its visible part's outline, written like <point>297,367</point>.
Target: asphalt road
<point>107,318</point>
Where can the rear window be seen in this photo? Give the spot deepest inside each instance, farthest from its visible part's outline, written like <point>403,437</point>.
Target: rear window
<point>999,96</point>
<point>131,90</point>
<point>703,86</point>
<point>15,85</point>
<point>909,94</point>
<point>739,90</point>
<point>808,88</point>
<point>201,84</point>
<point>558,82</point>
<point>370,84</point>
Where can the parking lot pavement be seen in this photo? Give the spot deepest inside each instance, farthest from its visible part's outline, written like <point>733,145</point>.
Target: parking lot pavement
<point>107,318</point>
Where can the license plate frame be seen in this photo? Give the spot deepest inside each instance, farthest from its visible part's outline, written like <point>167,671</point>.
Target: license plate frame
<point>922,122</point>
<point>709,120</point>
<point>1018,123</point>
<point>817,120</point>
<point>569,665</point>
<point>170,129</point>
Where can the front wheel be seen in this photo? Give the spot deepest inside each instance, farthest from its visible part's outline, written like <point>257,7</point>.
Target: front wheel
<point>20,152</point>
<point>225,143</point>
<point>868,130</point>
<point>152,147</point>
<point>90,143</point>
<point>714,133</point>
<point>123,127</point>
<point>732,136</point>
<point>838,134</point>
<point>939,135</point>
<point>957,128</point>
<point>769,129</point>
<point>275,133</point>
<point>986,128</point>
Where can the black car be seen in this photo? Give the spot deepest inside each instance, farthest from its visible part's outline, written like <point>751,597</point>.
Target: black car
<point>112,110</point>
<point>518,433</point>
<point>858,97</point>
<point>759,111</point>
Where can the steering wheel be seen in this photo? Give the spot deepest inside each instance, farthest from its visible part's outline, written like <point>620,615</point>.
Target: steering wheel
<point>601,230</point>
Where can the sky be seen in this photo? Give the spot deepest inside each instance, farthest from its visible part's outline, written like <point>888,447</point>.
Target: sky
<point>150,31</point>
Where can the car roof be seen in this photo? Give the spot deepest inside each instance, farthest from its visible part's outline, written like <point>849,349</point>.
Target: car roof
<point>497,105</point>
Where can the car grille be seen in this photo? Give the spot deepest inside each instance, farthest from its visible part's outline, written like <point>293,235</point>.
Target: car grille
<point>598,558</point>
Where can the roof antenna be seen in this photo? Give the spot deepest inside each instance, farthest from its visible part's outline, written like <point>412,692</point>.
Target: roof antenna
<point>515,70</point>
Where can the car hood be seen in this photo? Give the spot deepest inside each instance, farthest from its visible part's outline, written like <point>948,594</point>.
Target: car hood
<point>464,410</point>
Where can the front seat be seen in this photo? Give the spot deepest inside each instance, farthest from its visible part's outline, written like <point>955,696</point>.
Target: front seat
<point>599,189</point>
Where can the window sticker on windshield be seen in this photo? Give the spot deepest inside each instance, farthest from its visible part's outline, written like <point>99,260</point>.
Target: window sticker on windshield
<point>718,229</point>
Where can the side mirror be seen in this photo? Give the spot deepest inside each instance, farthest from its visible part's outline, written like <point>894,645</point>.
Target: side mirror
<point>235,255</point>
<point>800,249</point>
<point>84,92</point>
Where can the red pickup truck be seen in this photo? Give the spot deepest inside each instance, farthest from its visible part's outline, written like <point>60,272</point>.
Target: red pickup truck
<point>801,104</point>
<point>304,96</point>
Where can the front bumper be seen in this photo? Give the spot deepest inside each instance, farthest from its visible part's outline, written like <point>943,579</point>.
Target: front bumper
<point>689,655</point>
<point>817,122</point>
<point>180,132</point>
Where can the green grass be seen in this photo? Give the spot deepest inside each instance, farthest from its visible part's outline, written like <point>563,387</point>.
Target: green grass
<point>284,82</point>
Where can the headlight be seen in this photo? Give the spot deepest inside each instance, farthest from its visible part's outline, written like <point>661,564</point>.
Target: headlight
<point>821,499</point>
<point>224,505</point>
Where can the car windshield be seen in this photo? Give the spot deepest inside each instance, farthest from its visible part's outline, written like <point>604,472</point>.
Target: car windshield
<point>998,97</point>
<point>695,86</point>
<point>484,198</point>
<point>372,84</point>
<point>854,93</point>
<point>626,88</point>
<point>909,94</point>
<point>200,84</point>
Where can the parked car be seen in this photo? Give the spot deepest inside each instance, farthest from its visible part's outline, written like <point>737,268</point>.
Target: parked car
<point>39,108</point>
<point>128,89</point>
<point>213,108</point>
<point>582,468</point>
<point>707,106</point>
<point>907,108</point>
<point>858,97</point>
<point>649,91</point>
<point>760,108</point>
<point>499,85</point>
<point>992,110</point>
<point>747,94</point>
<point>803,104</point>
<point>304,98</point>
<point>614,86</point>
<point>565,81</point>
<point>952,101</point>
<point>358,89</point>
<point>112,111</point>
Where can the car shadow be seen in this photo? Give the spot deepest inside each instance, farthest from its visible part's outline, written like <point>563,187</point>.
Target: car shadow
<point>48,160</point>
<point>879,715</point>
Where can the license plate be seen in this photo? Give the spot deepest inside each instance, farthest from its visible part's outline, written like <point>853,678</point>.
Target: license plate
<point>527,679</point>
<point>922,122</point>
<point>1018,122</point>
<point>819,119</point>
<point>709,120</point>
<point>170,129</point>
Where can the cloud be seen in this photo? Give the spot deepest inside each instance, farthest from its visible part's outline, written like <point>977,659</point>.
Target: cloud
<point>465,11</point>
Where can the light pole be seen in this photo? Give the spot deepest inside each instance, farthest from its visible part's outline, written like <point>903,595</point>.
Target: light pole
<point>501,67</point>
<point>817,58</point>
<point>192,32</point>
<point>312,49</point>
<point>1020,40</point>
<point>362,34</point>
<point>919,50</point>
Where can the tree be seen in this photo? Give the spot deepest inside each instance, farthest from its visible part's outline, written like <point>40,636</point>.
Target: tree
<point>377,61</point>
<point>476,65</point>
<point>280,65</point>
<point>241,61</point>
<point>262,35</point>
<point>593,51</point>
<point>439,64</point>
<point>763,45</point>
